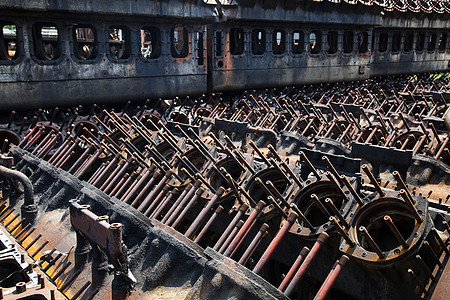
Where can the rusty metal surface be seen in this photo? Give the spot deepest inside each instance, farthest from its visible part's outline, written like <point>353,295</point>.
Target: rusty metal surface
<point>342,189</point>
<point>35,79</point>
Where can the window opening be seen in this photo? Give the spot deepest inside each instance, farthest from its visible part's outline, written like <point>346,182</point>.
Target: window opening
<point>179,38</point>
<point>236,41</point>
<point>200,49</point>
<point>332,42</point>
<point>348,42</point>
<point>46,41</point>
<point>315,39</point>
<point>420,42</point>
<point>258,41</point>
<point>9,43</point>
<point>85,42</point>
<point>278,41</point>
<point>442,41</point>
<point>298,42</point>
<point>396,42</point>
<point>218,43</point>
<point>150,42</point>
<point>119,42</point>
<point>382,42</point>
<point>363,42</point>
<point>432,42</point>
<point>409,39</point>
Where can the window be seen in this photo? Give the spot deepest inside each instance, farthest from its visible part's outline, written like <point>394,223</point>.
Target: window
<point>396,42</point>
<point>9,43</point>
<point>432,42</point>
<point>150,42</point>
<point>315,39</point>
<point>258,41</point>
<point>218,43</point>
<point>420,42</point>
<point>119,42</point>
<point>46,41</point>
<point>332,42</point>
<point>409,39</point>
<point>85,42</point>
<point>179,42</point>
<point>382,42</point>
<point>298,42</point>
<point>442,41</point>
<point>278,41</point>
<point>348,42</point>
<point>363,42</point>
<point>200,48</point>
<point>236,41</point>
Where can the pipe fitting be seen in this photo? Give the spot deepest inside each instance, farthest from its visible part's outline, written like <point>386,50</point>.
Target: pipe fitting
<point>29,208</point>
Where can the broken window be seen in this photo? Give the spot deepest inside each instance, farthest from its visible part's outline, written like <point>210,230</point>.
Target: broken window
<point>298,41</point>
<point>382,42</point>
<point>150,42</point>
<point>278,41</point>
<point>348,42</point>
<point>442,41</point>
<point>432,42</point>
<point>363,42</point>
<point>332,42</point>
<point>179,41</point>
<point>409,39</point>
<point>9,43</point>
<point>218,43</point>
<point>200,48</point>
<point>46,41</point>
<point>119,42</point>
<point>236,41</point>
<point>315,39</point>
<point>85,42</point>
<point>258,41</point>
<point>396,42</point>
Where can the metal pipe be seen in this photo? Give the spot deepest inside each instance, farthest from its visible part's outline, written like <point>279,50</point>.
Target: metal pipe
<point>28,208</point>
<point>293,268</point>
<point>331,278</point>
<point>245,227</point>
<point>163,205</point>
<point>208,224</point>
<point>152,195</point>
<point>306,263</point>
<point>373,180</point>
<point>188,207</point>
<point>371,241</point>
<point>242,209</point>
<point>203,214</point>
<point>395,231</point>
<point>177,202</point>
<point>417,280</point>
<point>275,242</point>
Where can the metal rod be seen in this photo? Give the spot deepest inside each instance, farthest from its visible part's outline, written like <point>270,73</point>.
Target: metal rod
<point>331,278</point>
<point>395,231</point>
<point>275,242</point>
<point>373,180</point>
<point>417,280</point>
<point>306,263</point>
<point>371,242</point>
<point>208,224</point>
<point>293,268</point>
<point>242,209</point>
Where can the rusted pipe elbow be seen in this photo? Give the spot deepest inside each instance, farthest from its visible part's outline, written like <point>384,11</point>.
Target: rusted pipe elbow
<point>29,208</point>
